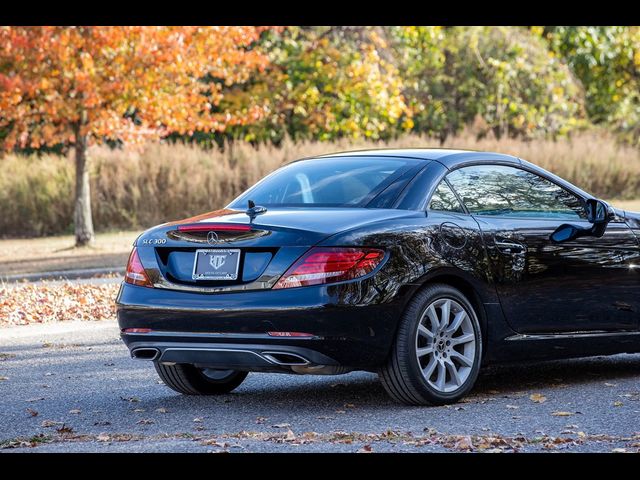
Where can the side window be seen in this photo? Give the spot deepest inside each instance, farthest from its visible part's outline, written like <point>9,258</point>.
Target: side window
<point>512,192</point>
<point>444,199</point>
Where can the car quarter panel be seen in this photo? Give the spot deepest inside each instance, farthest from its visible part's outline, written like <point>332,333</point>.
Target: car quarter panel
<point>422,245</point>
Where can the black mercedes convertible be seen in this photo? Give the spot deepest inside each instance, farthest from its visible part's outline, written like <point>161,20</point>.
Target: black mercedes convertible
<point>420,264</point>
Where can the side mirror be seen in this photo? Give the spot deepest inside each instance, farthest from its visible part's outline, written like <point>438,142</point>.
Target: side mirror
<point>599,214</point>
<point>567,232</point>
<point>598,211</point>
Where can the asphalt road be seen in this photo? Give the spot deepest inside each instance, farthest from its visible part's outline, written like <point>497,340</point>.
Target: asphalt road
<point>73,387</point>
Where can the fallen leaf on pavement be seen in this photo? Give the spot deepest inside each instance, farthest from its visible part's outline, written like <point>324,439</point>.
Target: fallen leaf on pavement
<point>197,420</point>
<point>281,425</point>
<point>619,450</point>
<point>212,442</point>
<point>36,399</point>
<point>64,429</point>
<point>365,449</point>
<point>139,410</point>
<point>103,437</point>
<point>161,410</point>
<point>618,403</point>
<point>145,421</point>
<point>290,436</point>
<point>537,398</point>
<point>75,411</point>
<point>32,412</point>
<point>2,379</point>
<point>562,414</point>
<point>463,444</point>
<point>49,423</point>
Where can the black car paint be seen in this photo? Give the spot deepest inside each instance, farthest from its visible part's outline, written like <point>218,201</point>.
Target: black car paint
<point>591,283</point>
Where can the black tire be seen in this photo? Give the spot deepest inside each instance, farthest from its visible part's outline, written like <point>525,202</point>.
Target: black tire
<point>189,380</point>
<point>402,375</point>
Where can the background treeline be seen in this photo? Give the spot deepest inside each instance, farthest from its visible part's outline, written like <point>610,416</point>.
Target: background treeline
<point>325,83</point>
<point>567,98</point>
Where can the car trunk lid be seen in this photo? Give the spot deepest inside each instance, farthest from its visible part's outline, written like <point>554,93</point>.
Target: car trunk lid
<point>239,253</point>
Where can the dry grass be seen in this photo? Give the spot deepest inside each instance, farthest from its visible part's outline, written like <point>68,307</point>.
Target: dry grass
<point>132,190</point>
<point>630,205</point>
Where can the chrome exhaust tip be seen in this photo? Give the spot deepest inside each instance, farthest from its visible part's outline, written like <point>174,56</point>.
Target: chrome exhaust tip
<point>285,358</point>
<point>145,353</point>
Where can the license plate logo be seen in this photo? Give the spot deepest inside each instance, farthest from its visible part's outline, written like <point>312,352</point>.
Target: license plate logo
<point>216,261</point>
<point>216,264</point>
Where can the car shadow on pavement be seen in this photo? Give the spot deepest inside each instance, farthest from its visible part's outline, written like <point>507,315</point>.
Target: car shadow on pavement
<point>361,389</point>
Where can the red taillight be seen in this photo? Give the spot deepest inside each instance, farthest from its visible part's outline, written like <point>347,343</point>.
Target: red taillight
<point>221,227</point>
<point>135,273</point>
<point>329,265</point>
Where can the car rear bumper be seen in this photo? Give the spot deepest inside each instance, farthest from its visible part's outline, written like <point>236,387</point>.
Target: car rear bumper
<point>350,325</point>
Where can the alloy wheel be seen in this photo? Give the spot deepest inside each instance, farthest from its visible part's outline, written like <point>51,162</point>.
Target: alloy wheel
<point>445,345</point>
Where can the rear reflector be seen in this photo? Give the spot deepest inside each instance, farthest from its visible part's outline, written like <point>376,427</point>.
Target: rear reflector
<point>290,334</point>
<point>220,227</point>
<point>322,265</point>
<point>135,273</point>
<point>137,330</point>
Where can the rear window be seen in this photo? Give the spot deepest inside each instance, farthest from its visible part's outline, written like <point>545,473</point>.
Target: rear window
<point>327,182</point>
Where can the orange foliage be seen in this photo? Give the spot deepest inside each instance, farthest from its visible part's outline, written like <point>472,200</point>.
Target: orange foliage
<point>56,80</point>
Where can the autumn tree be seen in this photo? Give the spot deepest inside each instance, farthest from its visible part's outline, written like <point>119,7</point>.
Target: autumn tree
<point>324,83</point>
<point>78,86</point>
<point>503,76</point>
<point>606,60</point>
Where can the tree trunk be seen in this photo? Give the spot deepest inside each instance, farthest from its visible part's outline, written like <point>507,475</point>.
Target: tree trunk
<point>82,215</point>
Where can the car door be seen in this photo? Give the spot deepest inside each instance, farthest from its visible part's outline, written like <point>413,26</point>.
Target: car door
<point>583,285</point>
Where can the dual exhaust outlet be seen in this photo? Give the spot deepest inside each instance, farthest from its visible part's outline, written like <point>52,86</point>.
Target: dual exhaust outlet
<point>284,359</point>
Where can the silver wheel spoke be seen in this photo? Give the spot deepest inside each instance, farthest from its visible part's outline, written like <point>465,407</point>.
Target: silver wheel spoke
<point>463,360</point>
<point>442,375</point>
<point>424,351</point>
<point>453,371</point>
<point>422,330</point>
<point>444,315</point>
<point>469,337</point>
<point>433,316</point>
<point>457,321</point>
<point>428,370</point>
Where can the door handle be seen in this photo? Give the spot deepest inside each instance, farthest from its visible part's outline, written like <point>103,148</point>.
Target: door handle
<point>509,246</point>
